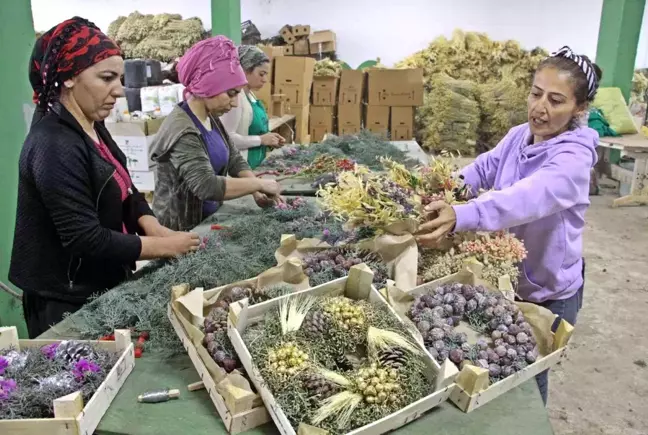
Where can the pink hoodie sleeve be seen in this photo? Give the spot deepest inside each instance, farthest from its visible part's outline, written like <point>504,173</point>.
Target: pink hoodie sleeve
<point>560,183</point>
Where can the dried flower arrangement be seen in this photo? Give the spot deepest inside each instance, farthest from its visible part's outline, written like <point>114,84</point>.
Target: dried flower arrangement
<point>31,379</point>
<point>500,253</point>
<point>511,345</point>
<point>336,363</point>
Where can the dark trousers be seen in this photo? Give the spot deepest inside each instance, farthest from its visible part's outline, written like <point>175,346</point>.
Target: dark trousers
<point>565,309</point>
<point>42,313</point>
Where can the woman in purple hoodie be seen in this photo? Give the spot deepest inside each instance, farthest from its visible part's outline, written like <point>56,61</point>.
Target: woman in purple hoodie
<point>538,181</point>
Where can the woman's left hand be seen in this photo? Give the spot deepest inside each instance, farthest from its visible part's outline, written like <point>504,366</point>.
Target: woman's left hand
<point>442,221</point>
<point>265,201</point>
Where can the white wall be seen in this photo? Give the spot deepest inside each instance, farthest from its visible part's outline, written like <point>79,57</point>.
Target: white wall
<point>393,29</point>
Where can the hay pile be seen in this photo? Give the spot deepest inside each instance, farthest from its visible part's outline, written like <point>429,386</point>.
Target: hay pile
<point>495,67</point>
<point>164,37</point>
<point>327,68</point>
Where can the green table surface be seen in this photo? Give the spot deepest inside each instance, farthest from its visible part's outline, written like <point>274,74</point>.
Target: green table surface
<point>519,411</point>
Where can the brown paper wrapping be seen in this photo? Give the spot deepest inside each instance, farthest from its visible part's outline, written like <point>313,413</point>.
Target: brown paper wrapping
<point>398,250</point>
<point>191,308</point>
<point>540,318</point>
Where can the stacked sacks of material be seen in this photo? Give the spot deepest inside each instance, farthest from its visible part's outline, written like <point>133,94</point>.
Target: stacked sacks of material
<point>492,65</point>
<point>163,37</point>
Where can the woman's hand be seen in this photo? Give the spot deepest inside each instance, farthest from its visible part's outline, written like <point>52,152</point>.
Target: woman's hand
<point>152,227</point>
<point>442,223</point>
<point>265,201</point>
<point>272,140</point>
<point>269,187</point>
<point>181,243</point>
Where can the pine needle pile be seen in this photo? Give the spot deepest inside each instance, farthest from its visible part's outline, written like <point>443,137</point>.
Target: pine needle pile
<point>511,346</point>
<point>327,68</point>
<point>336,363</point>
<point>242,251</point>
<point>365,149</point>
<point>31,379</point>
<point>163,37</point>
<point>500,253</point>
<point>472,57</point>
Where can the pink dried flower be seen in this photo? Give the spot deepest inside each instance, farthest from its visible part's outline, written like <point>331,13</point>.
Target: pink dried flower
<point>501,246</point>
<point>50,350</point>
<point>84,367</point>
<point>7,386</point>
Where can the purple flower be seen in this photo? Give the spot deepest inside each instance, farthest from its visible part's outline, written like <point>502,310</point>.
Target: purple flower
<point>326,232</point>
<point>3,364</point>
<point>84,367</point>
<point>7,386</point>
<point>50,350</point>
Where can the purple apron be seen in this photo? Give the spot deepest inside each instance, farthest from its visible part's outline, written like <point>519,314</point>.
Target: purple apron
<point>218,154</point>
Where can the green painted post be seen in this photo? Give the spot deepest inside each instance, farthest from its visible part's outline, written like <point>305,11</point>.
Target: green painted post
<point>226,19</point>
<point>617,42</point>
<point>17,38</point>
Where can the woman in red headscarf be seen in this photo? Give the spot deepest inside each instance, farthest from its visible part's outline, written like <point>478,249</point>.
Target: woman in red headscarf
<point>80,224</point>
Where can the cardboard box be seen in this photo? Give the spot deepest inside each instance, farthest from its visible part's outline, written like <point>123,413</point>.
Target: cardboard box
<point>321,122</point>
<point>402,123</point>
<point>288,50</point>
<point>301,30</point>
<point>349,119</point>
<point>294,78</point>
<point>395,87</point>
<point>377,119</point>
<point>287,34</point>
<point>322,42</point>
<point>351,87</point>
<point>302,115</point>
<point>301,47</point>
<point>325,91</point>
<point>272,51</point>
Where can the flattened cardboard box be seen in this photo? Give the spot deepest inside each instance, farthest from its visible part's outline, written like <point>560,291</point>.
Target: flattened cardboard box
<point>302,114</point>
<point>377,119</point>
<point>402,123</point>
<point>395,87</point>
<point>321,122</point>
<point>349,119</point>
<point>351,87</point>
<point>325,91</point>
<point>293,77</point>
<point>322,42</point>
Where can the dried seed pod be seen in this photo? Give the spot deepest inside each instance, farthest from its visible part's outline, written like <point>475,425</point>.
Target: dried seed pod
<point>507,319</point>
<point>514,329</point>
<point>499,342</point>
<point>493,358</point>
<point>471,305</point>
<point>439,345</point>
<point>502,328</point>
<point>460,300</point>
<point>448,298</point>
<point>500,351</point>
<point>522,338</point>
<point>424,326</point>
<point>499,311</point>
<point>494,370</point>
<point>448,310</point>
<point>512,354</point>
<point>456,356</point>
<point>468,292</point>
<point>496,334</point>
<point>429,301</point>
<point>436,334</point>
<point>511,340</point>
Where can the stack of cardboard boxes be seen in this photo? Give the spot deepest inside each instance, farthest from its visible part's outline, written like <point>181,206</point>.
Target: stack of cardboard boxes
<point>392,95</point>
<point>301,42</point>
<point>349,115</point>
<point>323,109</point>
<point>293,78</point>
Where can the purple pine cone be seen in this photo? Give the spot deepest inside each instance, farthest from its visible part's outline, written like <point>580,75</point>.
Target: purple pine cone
<point>496,334</point>
<point>436,334</point>
<point>424,326</point>
<point>514,329</point>
<point>507,371</point>
<point>522,338</point>
<point>468,292</point>
<point>456,356</point>
<point>471,305</point>
<point>483,355</point>
<point>502,328</point>
<point>530,357</point>
<point>507,319</point>
<point>448,298</point>
<point>512,354</point>
<point>499,342</point>
<point>511,340</point>
<point>500,351</point>
<point>494,370</point>
<point>439,345</point>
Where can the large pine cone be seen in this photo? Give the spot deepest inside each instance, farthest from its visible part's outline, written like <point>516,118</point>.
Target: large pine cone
<point>317,322</point>
<point>216,320</point>
<point>72,351</point>
<point>394,358</point>
<point>318,386</point>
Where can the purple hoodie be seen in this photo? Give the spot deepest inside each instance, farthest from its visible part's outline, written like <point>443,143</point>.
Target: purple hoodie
<point>541,192</point>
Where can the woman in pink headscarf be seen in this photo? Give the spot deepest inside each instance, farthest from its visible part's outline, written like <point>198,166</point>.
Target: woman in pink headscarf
<point>197,168</point>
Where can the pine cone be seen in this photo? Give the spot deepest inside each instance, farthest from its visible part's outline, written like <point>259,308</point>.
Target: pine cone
<point>235,294</point>
<point>258,295</point>
<point>317,322</point>
<point>216,320</point>
<point>394,358</point>
<point>72,351</point>
<point>317,385</point>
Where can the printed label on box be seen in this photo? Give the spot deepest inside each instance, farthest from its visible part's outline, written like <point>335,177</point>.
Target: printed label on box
<point>136,150</point>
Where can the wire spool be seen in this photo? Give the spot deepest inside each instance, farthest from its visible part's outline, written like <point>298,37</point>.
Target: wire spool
<point>153,72</point>
<point>133,96</point>
<point>135,73</point>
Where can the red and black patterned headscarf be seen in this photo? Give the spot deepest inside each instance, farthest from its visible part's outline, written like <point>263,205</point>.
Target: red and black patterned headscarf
<point>63,53</point>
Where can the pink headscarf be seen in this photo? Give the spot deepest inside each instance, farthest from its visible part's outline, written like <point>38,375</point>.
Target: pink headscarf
<point>210,68</point>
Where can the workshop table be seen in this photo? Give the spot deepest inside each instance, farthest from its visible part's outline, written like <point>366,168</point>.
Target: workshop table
<point>519,411</point>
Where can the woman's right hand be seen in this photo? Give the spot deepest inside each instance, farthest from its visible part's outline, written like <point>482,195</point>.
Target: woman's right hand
<point>273,140</point>
<point>181,243</point>
<point>269,187</point>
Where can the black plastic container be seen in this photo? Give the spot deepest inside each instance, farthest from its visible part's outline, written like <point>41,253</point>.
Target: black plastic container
<point>135,73</point>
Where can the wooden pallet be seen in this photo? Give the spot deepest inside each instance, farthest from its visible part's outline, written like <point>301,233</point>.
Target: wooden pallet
<point>239,409</point>
<point>358,286</point>
<point>473,387</point>
<point>71,416</point>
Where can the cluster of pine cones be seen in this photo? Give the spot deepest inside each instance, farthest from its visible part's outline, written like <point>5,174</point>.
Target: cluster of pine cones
<point>340,261</point>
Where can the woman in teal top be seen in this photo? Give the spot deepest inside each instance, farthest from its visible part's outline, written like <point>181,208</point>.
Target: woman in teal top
<point>247,124</point>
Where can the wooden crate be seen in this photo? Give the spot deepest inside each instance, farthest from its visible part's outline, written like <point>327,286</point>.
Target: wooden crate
<point>473,388</point>
<point>357,285</point>
<point>239,409</point>
<point>71,416</point>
